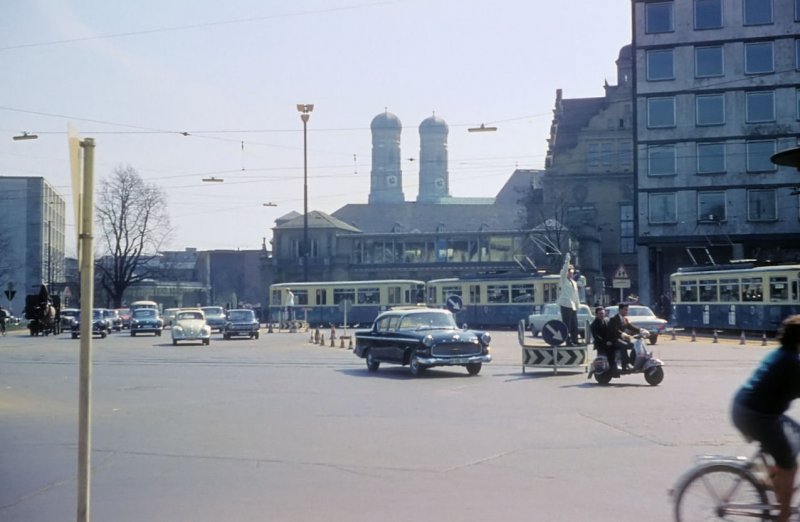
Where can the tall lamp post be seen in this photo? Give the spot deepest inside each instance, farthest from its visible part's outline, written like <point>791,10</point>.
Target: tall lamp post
<point>305,109</point>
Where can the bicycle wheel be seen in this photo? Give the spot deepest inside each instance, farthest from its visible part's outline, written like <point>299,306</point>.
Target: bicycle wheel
<point>721,492</point>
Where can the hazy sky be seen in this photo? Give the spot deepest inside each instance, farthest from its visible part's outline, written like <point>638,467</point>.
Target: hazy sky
<point>136,75</point>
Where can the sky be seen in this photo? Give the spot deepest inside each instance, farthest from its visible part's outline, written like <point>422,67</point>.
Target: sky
<point>183,90</point>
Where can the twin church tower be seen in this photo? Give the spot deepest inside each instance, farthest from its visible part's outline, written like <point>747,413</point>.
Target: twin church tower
<point>386,178</point>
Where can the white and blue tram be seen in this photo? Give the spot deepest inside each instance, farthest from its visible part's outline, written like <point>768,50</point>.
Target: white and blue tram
<point>495,300</point>
<point>322,303</point>
<point>736,298</point>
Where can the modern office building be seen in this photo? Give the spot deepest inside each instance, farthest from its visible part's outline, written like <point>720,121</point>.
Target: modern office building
<point>32,238</point>
<point>716,94</point>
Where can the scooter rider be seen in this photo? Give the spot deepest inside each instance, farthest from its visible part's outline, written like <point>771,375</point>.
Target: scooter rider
<point>621,331</point>
<point>601,333</point>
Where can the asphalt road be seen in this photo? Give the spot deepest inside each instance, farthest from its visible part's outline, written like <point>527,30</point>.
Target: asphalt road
<point>278,429</point>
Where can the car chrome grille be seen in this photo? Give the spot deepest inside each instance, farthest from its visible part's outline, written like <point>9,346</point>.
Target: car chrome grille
<point>455,349</point>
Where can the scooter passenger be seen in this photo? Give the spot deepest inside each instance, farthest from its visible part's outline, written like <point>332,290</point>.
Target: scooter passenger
<point>621,331</point>
<point>601,333</point>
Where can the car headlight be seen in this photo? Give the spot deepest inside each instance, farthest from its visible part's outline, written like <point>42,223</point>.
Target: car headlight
<point>428,341</point>
<point>486,339</point>
<point>205,329</point>
<point>177,329</point>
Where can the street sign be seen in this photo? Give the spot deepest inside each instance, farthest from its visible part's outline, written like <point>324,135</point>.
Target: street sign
<point>10,294</point>
<point>345,305</point>
<point>621,278</point>
<point>554,332</point>
<point>454,303</point>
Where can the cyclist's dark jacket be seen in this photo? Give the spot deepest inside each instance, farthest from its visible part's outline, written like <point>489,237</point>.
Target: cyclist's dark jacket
<point>774,384</point>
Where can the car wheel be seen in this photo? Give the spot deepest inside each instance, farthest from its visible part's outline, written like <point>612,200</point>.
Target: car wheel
<point>227,337</point>
<point>207,342</point>
<point>74,336</point>
<point>415,366</point>
<point>653,339</point>
<point>372,364</point>
<point>533,331</point>
<point>174,342</point>
<point>133,334</point>
<point>256,335</point>
<point>473,368</point>
<point>158,333</point>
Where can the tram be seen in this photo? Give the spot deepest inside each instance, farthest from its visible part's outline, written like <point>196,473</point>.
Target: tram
<point>495,300</point>
<point>735,297</point>
<point>323,303</point>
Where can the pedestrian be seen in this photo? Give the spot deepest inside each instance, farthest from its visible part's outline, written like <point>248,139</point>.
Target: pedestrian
<point>569,301</point>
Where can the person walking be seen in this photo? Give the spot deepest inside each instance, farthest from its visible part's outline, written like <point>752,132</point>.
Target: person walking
<point>569,301</point>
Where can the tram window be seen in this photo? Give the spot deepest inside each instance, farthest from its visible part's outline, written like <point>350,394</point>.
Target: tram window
<point>752,289</point>
<point>322,296</point>
<point>497,293</point>
<point>674,289</point>
<point>432,291</point>
<point>522,293</point>
<point>689,291</point>
<point>708,290</point>
<point>301,297</point>
<point>778,289</point>
<point>368,296</point>
<point>794,291</point>
<point>276,298</point>
<point>393,294</point>
<point>549,291</point>
<point>729,290</point>
<point>447,291</point>
<point>340,294</point>
<point>475,294</point>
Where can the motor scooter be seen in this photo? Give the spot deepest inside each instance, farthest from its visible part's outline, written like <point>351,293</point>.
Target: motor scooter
<point>643,362</point>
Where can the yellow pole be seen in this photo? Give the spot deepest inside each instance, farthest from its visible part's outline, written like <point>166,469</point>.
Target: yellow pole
<point>87,299</point>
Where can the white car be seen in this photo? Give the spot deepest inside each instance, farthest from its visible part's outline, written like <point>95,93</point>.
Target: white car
<point>190,325</point>
<point>642,317</point>
<point>552,311</point>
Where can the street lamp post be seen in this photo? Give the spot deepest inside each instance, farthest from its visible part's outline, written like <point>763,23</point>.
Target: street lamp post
<point>305,109</point>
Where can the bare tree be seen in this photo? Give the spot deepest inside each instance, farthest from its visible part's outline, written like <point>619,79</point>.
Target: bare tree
<point>134,224</point>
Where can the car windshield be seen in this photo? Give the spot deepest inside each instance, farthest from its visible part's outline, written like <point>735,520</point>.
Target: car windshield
<point>189,315</point>
<point>241,315</point>
<point>426,321</point>
<point>144,313</point>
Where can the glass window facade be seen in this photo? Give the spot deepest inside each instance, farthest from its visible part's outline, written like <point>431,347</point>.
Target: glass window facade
<point>661,160</point>
<point>661,112</point>
<point>707,14</point>
<point>658,17</point>
<point>710,158</point>
<point>761,205</point>
<point>710,109</point>
<point>708,61</point>
<point>757,12</point>
<point>660,65</point>
<point>760,106</point>
<point>662,208</point>
<point>711,206</point>
<point>758,155</point>
<point>758,58</point>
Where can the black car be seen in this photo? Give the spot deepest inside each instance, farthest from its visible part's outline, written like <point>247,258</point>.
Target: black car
<point>99,324</point>
<point>422,338</point>
<point>112,316</point>
<point>241,322</point>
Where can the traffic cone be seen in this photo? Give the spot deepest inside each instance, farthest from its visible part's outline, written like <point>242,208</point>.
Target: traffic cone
<point>311,340</point>
<point>763,338</point>
<point>333,342</point>
<point>333,333</point>
<point>350,344</point>
<point>694,335</point>
<point>269,330</point>
<point>322,339</point>
<point>316,335</point>
<point>742,338</point>
<point>673,334</point>
<point>716,339</point>
<point>341,341</point>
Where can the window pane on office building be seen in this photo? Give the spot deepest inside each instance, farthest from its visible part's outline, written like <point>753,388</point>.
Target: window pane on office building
<point>660,65</point>
<point>661,160</point>
<point>662,208</point>
<point>757,12</point>
<point>658,17</point>
<point>707,14</point>
<point>626,242</point>
<point>760,106</point>
<point>708,61</point>
<point>710,158</point>
<point>758,58</point>
<point>661,112</point>
<point>710,109</point>
<point>711,206</point>
<point>758,154</point>
<point>761,205</point>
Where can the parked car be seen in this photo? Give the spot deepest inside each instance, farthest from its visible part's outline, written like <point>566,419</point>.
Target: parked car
<point>146,320</point>
<point>215,317</point>
<point>552,311</point>
<point>642,317</point>
<point>99,324</point>
<point>190,325</point>
<point>241,322</point>
<point>169,316</point>
<point>422,338</point>
<point>68,316</point>
<point>125,316</point>
<point>113,318</point>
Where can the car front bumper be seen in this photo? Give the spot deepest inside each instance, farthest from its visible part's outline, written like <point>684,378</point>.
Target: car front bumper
<point>454,361</point>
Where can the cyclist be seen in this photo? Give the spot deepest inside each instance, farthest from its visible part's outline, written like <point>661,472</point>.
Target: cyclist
<point>759,410</point>
<point>3,316</point>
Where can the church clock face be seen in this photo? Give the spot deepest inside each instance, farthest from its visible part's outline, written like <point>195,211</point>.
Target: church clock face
<point>391,181</point>
<point>439,182</point>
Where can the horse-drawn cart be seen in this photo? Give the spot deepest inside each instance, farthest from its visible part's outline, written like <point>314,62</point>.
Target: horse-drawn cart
<point>42,313</point>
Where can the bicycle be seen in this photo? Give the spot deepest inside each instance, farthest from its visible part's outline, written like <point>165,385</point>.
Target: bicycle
<point>720,487</point>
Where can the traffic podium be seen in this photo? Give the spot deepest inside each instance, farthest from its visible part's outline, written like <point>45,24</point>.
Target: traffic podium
<point>553,355</point>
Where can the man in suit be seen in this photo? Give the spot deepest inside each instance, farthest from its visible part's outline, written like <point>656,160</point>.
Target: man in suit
<point>601,333</point>
<point>621,331</point>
